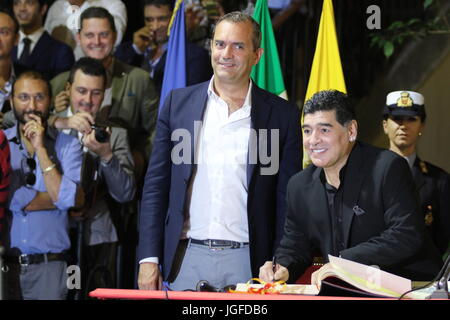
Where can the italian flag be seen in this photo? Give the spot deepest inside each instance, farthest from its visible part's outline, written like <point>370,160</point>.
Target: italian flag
<point>267,73</point>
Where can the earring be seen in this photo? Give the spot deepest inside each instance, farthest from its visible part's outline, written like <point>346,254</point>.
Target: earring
<point>420,133</point>
<point>352,139</point>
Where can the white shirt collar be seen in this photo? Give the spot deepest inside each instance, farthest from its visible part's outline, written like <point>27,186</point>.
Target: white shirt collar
<point>34,37</point>
<point>248,98</point>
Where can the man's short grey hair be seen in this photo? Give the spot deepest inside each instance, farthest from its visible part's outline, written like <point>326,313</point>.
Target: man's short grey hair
<point>237,17</point>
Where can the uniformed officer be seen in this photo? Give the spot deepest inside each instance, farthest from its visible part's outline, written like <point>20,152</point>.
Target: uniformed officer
<point>403,122</point>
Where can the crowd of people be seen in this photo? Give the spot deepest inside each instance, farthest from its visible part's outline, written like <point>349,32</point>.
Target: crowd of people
<point>214,178</point>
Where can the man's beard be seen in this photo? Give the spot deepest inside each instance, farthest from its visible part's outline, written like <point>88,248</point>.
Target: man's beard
<point>21,117</point>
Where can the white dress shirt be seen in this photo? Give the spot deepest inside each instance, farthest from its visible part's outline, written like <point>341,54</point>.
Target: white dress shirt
<point>217,196</point>
<point>34,37</point>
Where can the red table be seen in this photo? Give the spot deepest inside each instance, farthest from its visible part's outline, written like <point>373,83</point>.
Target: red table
<point>190,295</point>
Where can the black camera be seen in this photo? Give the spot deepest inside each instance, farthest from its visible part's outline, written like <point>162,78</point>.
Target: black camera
<point>101,135</point>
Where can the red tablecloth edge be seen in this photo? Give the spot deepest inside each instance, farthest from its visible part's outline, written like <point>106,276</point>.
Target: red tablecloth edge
<point>130,294</point>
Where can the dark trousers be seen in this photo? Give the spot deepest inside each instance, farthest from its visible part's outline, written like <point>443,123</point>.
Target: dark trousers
<point>100,267</point>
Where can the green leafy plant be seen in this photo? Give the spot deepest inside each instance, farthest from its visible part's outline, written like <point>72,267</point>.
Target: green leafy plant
<point>400,31</point>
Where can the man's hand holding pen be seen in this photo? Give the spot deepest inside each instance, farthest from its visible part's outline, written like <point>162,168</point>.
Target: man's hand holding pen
<point>272,271</point>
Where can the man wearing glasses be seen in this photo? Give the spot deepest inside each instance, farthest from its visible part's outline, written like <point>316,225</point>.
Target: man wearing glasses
<point>44,182</point>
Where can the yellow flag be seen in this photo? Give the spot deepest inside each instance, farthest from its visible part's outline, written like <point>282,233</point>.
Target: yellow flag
<point>326,70</point>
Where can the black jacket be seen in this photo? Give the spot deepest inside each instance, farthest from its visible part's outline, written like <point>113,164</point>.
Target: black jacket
<point>433,185</point>
<point>381,221</point>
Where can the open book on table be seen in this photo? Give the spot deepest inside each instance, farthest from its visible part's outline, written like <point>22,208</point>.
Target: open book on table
<point>342,277</point>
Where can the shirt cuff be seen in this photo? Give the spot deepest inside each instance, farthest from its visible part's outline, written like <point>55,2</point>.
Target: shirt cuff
<point>21,198</point>
<point>67,194</point>
<point>150,259</point>
<point>106,163</point>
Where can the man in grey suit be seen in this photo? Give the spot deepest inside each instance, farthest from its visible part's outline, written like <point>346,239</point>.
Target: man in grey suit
<point>108,170</point>
<point>130,97</point>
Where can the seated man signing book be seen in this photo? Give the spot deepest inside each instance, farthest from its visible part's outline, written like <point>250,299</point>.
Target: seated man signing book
<point>355,201</point>
<point>342,277</point>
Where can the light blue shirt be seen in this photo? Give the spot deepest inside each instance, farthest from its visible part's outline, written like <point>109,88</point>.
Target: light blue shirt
<point>47,230</point>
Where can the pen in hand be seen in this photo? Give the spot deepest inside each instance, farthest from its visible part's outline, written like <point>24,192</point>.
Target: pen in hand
<point>274,267</point>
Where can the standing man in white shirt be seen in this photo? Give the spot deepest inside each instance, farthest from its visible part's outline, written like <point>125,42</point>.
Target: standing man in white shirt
<point>217,213</point>
<point>63,16</point>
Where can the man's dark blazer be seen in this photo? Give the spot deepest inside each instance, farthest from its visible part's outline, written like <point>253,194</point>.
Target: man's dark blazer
<point>198,63</point>
<point>164,193</point>
<point>49,57</point>
<point>381,221</point>
<point>433,185</point>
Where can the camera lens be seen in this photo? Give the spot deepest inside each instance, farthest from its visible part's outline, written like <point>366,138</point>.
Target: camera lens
<point>101,135</point>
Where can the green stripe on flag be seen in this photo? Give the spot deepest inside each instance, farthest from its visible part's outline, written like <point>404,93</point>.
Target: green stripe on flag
<point>267,73</point>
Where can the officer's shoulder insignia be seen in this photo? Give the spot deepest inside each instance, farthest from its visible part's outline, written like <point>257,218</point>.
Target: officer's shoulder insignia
<point>423,167</point>
<point>429,216</point>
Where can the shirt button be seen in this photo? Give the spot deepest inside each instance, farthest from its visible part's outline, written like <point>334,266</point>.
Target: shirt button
<point>24,240</point>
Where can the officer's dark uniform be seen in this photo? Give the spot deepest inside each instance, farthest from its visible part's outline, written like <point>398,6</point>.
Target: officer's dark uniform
<point>433,185</point>
<point>432,182</point>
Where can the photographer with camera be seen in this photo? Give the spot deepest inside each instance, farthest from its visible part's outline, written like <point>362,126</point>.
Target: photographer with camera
<point>108,168</point>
